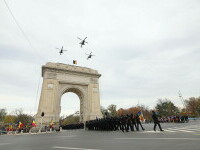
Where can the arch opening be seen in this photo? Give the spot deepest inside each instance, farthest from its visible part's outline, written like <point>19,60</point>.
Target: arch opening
<point>70,106</point>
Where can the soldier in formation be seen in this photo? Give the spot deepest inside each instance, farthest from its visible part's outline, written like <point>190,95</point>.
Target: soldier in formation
<point>125,123</point>
<point>73,126</point>
<point>156,121</point>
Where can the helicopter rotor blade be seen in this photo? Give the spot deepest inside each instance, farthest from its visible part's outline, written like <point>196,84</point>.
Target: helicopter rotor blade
<point>85,38</point>
<point>79,38</point>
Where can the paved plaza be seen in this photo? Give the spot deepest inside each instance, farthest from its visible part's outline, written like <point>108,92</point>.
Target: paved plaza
<point>177,136</point>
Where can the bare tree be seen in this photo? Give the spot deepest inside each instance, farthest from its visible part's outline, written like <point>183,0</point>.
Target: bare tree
<point>193,106</point>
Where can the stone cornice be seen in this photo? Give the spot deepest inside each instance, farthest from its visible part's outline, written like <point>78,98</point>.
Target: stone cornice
<point>69,68</point>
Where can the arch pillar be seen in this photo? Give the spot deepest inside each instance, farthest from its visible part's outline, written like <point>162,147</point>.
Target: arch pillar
<point>61,78</point>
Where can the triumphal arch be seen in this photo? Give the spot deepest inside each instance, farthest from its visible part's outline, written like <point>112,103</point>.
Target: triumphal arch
<point>59,79</point>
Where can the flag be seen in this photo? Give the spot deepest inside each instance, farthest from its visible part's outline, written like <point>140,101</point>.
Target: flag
<point>10,127</point>
<point>33,123</point>
<point>75,62</point>
<point>20,124</point>
<point>51,124</point>
<point>140,114</point>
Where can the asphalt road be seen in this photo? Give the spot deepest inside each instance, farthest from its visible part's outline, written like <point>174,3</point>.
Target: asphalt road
<point>182,136</point>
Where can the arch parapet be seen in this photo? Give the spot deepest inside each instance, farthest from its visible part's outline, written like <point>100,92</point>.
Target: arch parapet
<point>61,78</point>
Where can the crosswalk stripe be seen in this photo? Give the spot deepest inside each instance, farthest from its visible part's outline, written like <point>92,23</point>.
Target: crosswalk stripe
<point>169,130</point>
<point>185,131</point>
<point>174,130</point>
<point>152,132</point>
<point>193,129</point>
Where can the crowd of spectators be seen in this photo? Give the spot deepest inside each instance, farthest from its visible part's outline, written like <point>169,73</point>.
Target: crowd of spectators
<point>175,119</point>
<point>172,119</point>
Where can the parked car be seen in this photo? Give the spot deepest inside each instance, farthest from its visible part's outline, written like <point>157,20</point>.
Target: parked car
<point>3,130</point>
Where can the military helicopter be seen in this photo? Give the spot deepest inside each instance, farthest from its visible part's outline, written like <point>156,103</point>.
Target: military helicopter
<point>82,41</point>
<point>61,50</point>
<point>89,55</point>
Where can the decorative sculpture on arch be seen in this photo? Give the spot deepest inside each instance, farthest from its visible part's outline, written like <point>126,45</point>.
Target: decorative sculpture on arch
<point>59,79</point>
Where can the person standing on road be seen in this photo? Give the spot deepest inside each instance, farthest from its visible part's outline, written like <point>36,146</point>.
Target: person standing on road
<point>156,121</point>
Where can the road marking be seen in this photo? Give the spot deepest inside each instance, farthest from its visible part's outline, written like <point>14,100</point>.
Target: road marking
<point>152,132</point>
<point>68,136</point>
<point>148,131</point>
<point>179,130</point>
<point>4,143</point>
<point>192,129</point>
<point>158,138</point>
<point>169,130</point>
<point>56,147</point>
<point>185,131</point>
<point>187,127</point>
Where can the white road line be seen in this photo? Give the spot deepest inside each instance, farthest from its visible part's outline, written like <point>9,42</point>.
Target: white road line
<point>4,143</point>
<point>198,139</point>
<point>152,131</point>
<point>148,132</point>
<point>186,131</point>
<point>57,147</point>
<point>169,130</point>
<point>68,136</point>
<point>192,129</point>
<point>187,127</point>
<point>178,130</point>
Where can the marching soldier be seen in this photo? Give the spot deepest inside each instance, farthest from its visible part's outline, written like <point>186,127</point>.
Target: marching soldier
<point>133,123</point>
<point>156,121</point>
<point>138,122</point>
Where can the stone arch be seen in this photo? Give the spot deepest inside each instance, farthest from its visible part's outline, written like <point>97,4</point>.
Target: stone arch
<point>61,78</point>
<point>74,89</point>
<point>79,92</point>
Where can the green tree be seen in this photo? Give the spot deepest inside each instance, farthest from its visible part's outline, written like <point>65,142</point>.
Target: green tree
<point>166,108</point>
<point>10,119</point>
<point>3,114</point>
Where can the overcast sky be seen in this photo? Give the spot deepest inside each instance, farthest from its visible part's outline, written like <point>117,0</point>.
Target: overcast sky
<point>144,49</point>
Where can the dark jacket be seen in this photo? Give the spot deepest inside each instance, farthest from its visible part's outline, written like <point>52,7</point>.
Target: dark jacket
<point>155,118</point>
